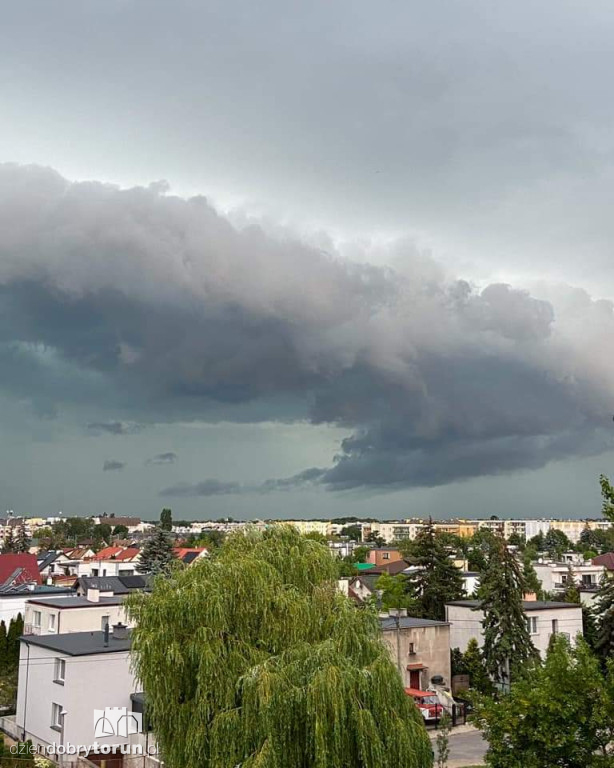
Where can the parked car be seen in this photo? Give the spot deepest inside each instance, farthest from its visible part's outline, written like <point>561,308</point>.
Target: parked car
<point>427,702</point>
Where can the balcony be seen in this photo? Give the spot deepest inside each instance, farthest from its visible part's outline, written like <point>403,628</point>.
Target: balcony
<point>31,629</point>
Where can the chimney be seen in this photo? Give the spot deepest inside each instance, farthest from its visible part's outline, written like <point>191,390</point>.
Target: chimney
<point>120,631</point>
<point>529,597</point>
<point>93,595</point>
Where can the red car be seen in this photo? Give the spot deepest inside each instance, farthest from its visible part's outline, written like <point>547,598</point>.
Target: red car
<point>427,702</point>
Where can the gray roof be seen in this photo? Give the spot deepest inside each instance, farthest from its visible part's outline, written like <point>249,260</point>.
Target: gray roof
<point>77,602</point>
<point>78,643</point>
<point>119,585</point>
<point>410,622</point>
<point>527,605</point>
<point>46,559</point>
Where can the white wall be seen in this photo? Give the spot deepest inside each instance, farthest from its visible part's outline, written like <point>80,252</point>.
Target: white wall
<point>466,624</point>
<point>83,619</point>
<point>91,682</point>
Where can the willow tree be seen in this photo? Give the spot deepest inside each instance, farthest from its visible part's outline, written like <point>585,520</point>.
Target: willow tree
<point>253,659</point>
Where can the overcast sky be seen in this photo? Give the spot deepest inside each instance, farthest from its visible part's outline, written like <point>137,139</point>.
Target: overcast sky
<point>320,259</point>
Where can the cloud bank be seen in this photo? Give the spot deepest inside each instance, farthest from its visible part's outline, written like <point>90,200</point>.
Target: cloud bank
<point>163,458</point>
<point>158,308</point>
<point>111,465</point>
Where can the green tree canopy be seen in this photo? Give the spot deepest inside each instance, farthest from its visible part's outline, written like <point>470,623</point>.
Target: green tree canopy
<point>394,592</point>
<point>603,610</point>
<point>166,519</point>
<point>561,716</point>
<point>254,659</point>
<point>507,642</point>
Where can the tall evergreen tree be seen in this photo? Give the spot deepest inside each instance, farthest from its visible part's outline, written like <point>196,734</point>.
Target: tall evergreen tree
<point>157,554</point>
<point>473,663</point>
<point>571,593</point>
<point>166,519</point>
<point>254,658</point>
<point>22,540</point>
<point>15,631</point>
<point>435,580</point>
<point>507,645</point>
<point>3,647</point>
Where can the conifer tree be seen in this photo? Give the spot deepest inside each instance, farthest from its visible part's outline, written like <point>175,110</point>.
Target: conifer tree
<point>3,647</point>
<point>507,645</point>
<point>436,580</point>
<point>571,593</point>
<point>15,631</point>
<point>473,663</point>
<point>254,659</point>
<point>157,554</point>
<point>22,540</point>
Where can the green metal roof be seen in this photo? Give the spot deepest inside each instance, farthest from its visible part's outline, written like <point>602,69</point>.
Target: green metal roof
<point>364,566</point>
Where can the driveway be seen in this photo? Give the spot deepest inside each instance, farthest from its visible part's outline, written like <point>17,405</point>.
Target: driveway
<point>467,747</point>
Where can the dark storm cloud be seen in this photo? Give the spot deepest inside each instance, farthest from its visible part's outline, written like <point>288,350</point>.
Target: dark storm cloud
<point>114,428</point>
<point>163,458</point>
<point>111,465</point>
<point>171,313</point>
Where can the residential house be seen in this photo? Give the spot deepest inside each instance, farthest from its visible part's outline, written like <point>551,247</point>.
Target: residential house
<point>544,618</point>
<point>58,615</point>
<point>554,577</point>
<point>383,556</point>
<point>606,560</point>
<point>390,532</point>
<point>63,680</point>
<point>113,585</point>
<point>111,561</point>
<point>363,587</point>
<point>18,568</point>
<point>188,555</point>
<point>13,599</point>
<point>419,648</point>
<point>133,524</point>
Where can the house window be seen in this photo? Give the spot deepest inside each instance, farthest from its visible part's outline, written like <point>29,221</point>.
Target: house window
<point>386,556</point>
<point>532,624</point>
<point>104,622</point>
<point>56,716</point>
<point>60,671</point>
<point>555,626</point>
<point>36,619</point>
<point>412,649</point>
<point>51,622</point>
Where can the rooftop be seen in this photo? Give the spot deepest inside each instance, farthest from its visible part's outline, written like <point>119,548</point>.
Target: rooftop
<point>409,622</point>
<point>527,605</point>
<point>78,643</point>
<point>77,602</point>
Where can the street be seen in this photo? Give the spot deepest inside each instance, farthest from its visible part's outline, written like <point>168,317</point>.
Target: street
<point>467,747</point>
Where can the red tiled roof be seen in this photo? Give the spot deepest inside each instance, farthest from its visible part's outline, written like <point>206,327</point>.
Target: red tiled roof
<point>107,553</point>
<point>18,569</point>
<point>607,560</point>
<point>128,554</point>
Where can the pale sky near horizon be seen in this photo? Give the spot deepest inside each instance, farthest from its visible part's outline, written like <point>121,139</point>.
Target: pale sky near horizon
<point>306,260</point>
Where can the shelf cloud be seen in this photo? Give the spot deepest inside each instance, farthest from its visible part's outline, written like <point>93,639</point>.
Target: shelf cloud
<point>159,309</point>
